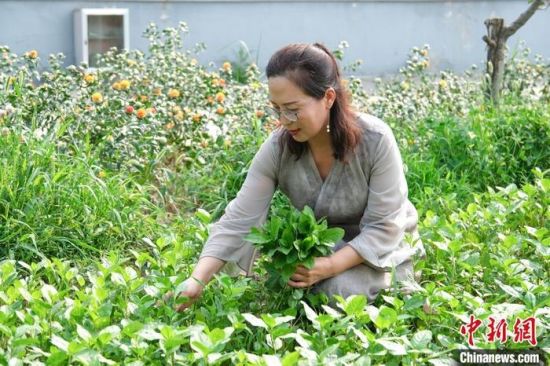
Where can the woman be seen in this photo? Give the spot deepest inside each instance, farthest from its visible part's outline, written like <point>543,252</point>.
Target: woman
<point>346,166</point>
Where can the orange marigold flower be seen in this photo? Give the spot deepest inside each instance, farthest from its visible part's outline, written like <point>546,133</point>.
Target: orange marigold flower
<point>141,113</point>
<point>226,66</point>
<point>97,97</point>
<point>125,84</point>
<point>32,54</point>
<point>197,117</point>
<point>260,113</point>
<point>89,78</point>
<point>174,93</point>
<point>143,98</point>
<point>220,110</point>
<point>169,125</point>
<point>220,97</point>
<point>221,82</point>
<point>210,99</point>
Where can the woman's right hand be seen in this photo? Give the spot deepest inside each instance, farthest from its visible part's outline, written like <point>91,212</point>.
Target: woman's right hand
<point>192,292</point>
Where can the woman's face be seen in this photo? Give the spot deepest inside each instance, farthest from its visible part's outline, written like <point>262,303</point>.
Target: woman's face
<point>312,114</point>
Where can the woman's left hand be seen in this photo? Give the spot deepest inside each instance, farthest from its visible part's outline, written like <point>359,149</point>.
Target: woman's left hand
<point>303,277</point>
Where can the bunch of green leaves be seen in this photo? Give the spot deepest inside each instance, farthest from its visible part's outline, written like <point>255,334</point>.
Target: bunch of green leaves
<point>296,238</point>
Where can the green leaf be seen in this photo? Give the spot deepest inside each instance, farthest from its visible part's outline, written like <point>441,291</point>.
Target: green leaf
<point>355,305</point>
<point>309,262</point>
<point>332,235</point>
<point>291,359</point>
<point>257,237</point>
<point>395,349</point>
<point>60,343</point>
<point>421,339</point>
<point>255,321</point>
<point>203,215</point>
<point>386,317</point>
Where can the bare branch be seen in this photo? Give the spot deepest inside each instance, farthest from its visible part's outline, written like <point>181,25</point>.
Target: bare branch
<point>523,18</point>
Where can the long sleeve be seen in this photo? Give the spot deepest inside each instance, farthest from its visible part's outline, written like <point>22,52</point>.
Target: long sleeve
<point>249,208</point>
<point>389,213</point>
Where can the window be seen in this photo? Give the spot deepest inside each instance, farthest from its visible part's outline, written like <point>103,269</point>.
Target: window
<point>97,30</point>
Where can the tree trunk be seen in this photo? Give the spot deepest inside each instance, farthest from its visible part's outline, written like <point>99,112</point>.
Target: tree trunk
<point>497,35</point>
<point>496,40</point>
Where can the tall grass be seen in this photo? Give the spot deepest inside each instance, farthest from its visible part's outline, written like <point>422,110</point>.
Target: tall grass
<point>52,204</point>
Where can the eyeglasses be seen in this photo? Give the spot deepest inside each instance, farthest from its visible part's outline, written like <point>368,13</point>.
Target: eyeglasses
<point>290,116</point>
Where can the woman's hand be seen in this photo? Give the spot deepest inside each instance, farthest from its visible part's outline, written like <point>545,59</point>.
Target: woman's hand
<point>303,277</point>
<point>193,290</point>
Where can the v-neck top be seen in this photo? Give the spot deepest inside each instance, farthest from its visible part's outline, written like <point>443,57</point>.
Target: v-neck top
<point>367,196</point>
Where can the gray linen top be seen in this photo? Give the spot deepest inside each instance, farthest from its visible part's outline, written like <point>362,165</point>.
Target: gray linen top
<point>367,197</point>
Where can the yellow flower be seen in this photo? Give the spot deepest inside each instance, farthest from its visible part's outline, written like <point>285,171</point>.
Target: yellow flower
<point>405,85</point>
<point>116,86</point>
<point>32,54</point>
<point>89,78</point>
<point>169,125</point>
<point>220,97</point>
<point>125,84</point>
<point>197,117</point>
<point>425,64</point>
<point>97,97</point>
<point>157,91</point>
<point>102,174</point>
<point>424,52</point>
<point>174,93</point>
<point>131,63</point>
<point>226,66</point>
<point>143,98</point>
<point>194,62</point>
<point>220,110</point>
<point>204,143</point>
<point>442,83</point>
<point>179,116</point>
<point>110,138</point>
<point>141,113</point>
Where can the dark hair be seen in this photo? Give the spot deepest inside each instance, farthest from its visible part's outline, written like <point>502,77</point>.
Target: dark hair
<point>313,68</point>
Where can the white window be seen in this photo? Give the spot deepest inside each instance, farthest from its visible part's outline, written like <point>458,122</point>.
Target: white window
<point>97,30</point>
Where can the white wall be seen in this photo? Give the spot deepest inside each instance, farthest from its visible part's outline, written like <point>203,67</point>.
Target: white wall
<point>379,32</point>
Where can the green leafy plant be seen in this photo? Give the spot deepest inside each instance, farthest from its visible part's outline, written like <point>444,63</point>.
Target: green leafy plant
<point>295,239</point>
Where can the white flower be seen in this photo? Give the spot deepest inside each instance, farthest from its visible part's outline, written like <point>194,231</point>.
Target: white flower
<point>39,133</point>
<point>9,109</point>
<point>213,130</point>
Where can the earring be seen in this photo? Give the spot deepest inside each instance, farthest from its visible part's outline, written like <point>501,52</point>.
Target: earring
<point>328,127</point>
